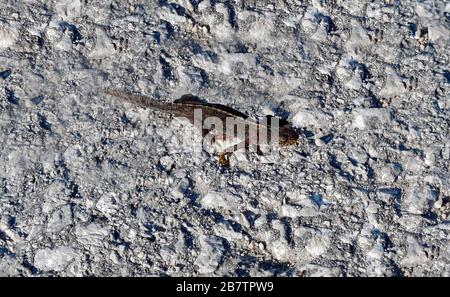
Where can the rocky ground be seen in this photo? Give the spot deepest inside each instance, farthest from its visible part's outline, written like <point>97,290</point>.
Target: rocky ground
<point>94,186</point>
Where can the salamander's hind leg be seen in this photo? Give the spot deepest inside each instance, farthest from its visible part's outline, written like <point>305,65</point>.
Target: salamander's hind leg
<point>224,158</point>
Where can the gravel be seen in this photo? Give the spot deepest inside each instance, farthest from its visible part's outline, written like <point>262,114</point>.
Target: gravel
<point>90,185</point>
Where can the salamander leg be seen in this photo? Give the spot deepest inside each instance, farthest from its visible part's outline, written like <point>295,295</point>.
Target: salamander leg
<point>224,159</point>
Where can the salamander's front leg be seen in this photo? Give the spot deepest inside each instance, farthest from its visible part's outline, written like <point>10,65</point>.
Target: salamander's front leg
<point>224,157</point>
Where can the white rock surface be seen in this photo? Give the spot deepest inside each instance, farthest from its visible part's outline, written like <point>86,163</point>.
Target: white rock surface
<point>8,35</point>
<point>415,254</point>
<point>9,266</point>
<point>364,117</point>
<point>108,204</point>
<point>60,218</point>
<point>418,199</point>
<point>68,9</point>
<point>393,85</point>
<point>93,234</point>
<point>54,259</point>
<point>211,253</point>
<point>103,45</point>
<point>220,201</point>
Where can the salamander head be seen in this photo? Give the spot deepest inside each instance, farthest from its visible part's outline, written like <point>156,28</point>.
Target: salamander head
<point>287,136</point>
